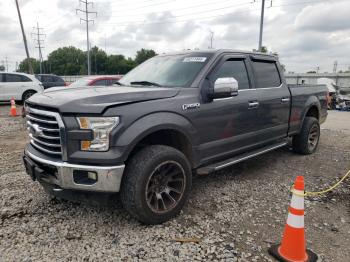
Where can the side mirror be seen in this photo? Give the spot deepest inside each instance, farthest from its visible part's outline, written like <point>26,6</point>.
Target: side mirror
<point>225,87</point>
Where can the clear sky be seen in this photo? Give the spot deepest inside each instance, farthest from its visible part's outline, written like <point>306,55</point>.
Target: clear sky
<point>305,33</point>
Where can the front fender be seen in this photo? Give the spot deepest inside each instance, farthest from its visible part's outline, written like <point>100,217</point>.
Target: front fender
<point>152,123</point>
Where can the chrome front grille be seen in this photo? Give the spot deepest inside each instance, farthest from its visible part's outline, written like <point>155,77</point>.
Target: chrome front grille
<point>45,131</point>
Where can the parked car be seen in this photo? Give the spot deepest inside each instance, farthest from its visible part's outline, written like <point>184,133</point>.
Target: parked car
<point>19,86</point>
<point>196,111</point>
<point>96,81</point>
<point>49,80</point>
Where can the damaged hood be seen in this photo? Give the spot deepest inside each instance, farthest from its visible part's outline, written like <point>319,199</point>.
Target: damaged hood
<point>96,99</point>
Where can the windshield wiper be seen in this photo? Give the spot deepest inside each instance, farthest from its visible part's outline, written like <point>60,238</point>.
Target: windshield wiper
<point>144,83</point>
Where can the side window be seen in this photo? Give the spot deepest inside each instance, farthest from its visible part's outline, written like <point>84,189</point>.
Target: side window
<point>99,83</point>
<point>111,81</point>
<point>233,68</point>
<point>46,79</point>
<point>25,79</point>
<point>266,74</point>
<point>57,79</point>
<point>1,78</point>
<point>13,78</point>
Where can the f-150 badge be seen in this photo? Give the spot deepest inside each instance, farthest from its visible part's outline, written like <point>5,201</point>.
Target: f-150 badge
<point>191,106</point>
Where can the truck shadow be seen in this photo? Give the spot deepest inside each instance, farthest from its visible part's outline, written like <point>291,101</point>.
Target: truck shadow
<point>248,170</point>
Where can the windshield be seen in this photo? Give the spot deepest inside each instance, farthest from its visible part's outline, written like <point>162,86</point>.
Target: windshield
<point>81,82</point>
<point>168,71</point>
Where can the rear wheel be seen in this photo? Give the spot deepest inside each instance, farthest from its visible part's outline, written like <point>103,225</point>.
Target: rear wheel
<point>306,142</point>
<point>156,184</point>
<point>27,94</point>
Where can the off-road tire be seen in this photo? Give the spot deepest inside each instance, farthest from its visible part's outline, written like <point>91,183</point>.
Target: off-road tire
<point>139,171</point>
<point>27,94</point>
<point>301,143</point>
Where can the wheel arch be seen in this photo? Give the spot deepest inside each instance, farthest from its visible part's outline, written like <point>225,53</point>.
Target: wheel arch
<point>312,108</point>
<point>26,91</point>
<point>176,131</point>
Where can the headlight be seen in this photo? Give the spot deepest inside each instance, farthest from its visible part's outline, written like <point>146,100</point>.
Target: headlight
<point>101,127</point>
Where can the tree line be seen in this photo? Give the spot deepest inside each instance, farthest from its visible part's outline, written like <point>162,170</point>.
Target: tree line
<point>73,61</point>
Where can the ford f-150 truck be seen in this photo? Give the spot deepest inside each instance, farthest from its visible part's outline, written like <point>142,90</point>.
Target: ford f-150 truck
<point>173,115</point>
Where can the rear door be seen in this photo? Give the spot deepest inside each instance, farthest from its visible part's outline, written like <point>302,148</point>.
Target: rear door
<point>273,97</point>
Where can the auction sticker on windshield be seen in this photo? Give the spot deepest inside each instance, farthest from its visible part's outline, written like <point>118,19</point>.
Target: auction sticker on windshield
<point>194,59</point>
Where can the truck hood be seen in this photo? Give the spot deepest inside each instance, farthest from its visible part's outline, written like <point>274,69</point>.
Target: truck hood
<point>96,99</point>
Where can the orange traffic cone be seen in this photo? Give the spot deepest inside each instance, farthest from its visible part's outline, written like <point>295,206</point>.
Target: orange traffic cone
<point>293,247</point>
<point>13,110</point>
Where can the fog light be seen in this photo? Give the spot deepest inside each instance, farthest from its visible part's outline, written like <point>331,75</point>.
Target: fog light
<point>92,175</point>
<point>83,177</point>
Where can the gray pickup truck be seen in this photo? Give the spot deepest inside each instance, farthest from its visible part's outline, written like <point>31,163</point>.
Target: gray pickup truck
<point>173,115</point>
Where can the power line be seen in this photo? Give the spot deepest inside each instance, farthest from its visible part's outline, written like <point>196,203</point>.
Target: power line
<point>39,42</point>
<point>166,21</point>
<point>173,21</point>
<point>146,6</point>
<point>182,8</point>
<point>87,12</point>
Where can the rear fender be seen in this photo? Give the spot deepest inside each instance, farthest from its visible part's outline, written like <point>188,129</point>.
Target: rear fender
<point>311,102</point>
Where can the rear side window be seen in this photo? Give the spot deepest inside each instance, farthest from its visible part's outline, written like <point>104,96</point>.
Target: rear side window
<point>46,79</point>
<point>25,79</point>
<point>57,79</point>
<point>111,81</point>
<point>13,78</point>
<point>233,68</point>
<point>100,83</point>
<point>266,74</point>
<point>1,78</point>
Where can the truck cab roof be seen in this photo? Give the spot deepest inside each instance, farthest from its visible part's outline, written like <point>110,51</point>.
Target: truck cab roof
<point>217,52</point>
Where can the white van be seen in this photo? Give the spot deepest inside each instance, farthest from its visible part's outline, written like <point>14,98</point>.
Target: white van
<point>18,86</point>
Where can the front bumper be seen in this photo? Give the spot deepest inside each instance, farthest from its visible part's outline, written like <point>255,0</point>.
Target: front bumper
<point>63,175</point>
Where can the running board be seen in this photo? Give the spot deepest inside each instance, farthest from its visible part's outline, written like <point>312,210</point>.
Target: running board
<point>231,161</point>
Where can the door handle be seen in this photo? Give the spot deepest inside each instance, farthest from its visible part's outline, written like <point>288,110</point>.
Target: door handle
<point>252,105</point>
<point>285,99</point>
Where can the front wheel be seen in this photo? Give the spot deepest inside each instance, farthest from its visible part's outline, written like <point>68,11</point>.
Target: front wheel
<point>306,142</point>
<point>157,184</point>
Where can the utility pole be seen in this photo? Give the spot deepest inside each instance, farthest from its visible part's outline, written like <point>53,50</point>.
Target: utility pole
<point>39,46</point>
<point>87,12</point>
<point>105,44</point>
<point>335,66</point>
<point>7,64</point>
<point>24,39</point>
<point>261,24</point>
<point>211,39</point>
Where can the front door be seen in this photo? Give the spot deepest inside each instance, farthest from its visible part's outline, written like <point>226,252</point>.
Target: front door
<point>225,125</point>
